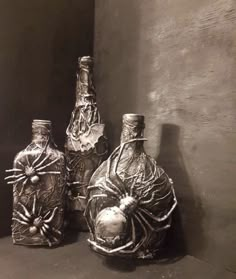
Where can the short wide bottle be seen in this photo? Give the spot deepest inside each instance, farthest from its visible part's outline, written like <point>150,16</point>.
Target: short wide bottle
<point>38,178</point>
<point>130,198</point>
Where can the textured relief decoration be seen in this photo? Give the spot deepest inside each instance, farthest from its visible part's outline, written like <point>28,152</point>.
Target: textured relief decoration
<point>39,180</point>
<point>86,145</point>
<point>130,198</point>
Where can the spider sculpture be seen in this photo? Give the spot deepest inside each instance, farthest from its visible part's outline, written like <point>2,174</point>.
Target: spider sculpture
<point>37,223</point>
<point>24,171</point>
<point>144,205</point>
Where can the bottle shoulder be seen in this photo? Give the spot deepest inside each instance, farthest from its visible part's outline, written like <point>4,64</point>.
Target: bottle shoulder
<point>34,151</point>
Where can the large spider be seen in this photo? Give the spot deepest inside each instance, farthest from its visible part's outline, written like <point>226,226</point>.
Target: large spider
<point>37,223</point>
<point>134,204</point>
<point>25,171</point>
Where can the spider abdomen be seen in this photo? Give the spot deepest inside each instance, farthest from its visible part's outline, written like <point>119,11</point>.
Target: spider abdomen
<point>34,179</point>
<point>111,225</point>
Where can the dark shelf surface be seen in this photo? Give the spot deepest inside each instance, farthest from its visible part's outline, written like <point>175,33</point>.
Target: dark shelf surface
<point>74,260</point>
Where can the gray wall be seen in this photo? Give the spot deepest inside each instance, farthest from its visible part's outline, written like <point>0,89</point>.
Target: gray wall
<point>39,45</point>
<point>175,62</point>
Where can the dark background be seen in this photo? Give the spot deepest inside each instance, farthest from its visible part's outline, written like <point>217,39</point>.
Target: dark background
<point>40,42</point>
<point>173,61</point>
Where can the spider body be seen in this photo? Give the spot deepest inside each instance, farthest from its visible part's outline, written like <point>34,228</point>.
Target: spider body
<point>125,212</point>
<point>37,223</point>
<point>25,171</point>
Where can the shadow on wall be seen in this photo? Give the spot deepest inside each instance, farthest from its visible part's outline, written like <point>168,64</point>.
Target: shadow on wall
<point>189,214</point>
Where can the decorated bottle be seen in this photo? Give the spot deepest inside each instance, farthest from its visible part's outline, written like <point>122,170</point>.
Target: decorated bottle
<point>86,144</point>
<point>130,198</point>
<point>39,181</point>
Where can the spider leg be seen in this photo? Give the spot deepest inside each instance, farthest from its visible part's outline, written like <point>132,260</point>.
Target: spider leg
<point>46,238</point>
<point>108,179</point>
<point>46,214</point>
<point>26,219</point>
<point>14,176</point>
<point>13,170</point>
<point>19,221</point>
<point>27,159</point>
<point>146,192</point>
<point>134,240</point>
<point>163,218</point>
<point>17,180</point>
<point>25,210</point>
<point>40,163</point>
<point>103,187</point>
<point>47,165</point>
<point>87,209</point>
<point>51,228</point>
<point>142,240</point>
<point>48,233</point>
<point>39,211</point>
<point>153,197</point>
<point>120,192</point>
<point>34,205</point>
<point>39,156</point>
<point>23,187</point>
<point>18,162</point>
<point>121,147</point>
<point>133,184</point>
<point>51,217</point>
<point>48,172</point>
<point>150,226</point>
<point>110,251</point>
<point>56,231</point>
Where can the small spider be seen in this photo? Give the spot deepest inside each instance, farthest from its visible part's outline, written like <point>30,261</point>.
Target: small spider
<point>133,205</point>
<point>25,171</point>
<point>36,222</point>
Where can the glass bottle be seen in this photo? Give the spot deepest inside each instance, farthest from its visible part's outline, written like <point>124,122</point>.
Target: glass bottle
<point>39,180</point>
<point>86,144</point>
<point>130,198</point>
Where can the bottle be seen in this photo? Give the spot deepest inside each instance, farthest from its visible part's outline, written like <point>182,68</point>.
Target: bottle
<point>39,183</point>
<point>130,198</point>
<point>86,144</point>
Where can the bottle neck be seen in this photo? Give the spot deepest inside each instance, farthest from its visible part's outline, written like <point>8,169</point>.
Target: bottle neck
<point>85,91</point>
<point>85,112</point>
<point>41,131</point>
<point>131,130</point>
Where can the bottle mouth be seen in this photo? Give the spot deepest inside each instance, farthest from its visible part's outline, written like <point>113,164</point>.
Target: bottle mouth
<point>134,119</point>
<point>42,121</point>
<point>86,60</point>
